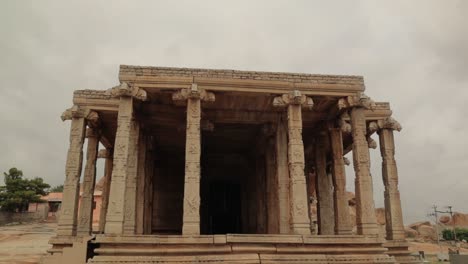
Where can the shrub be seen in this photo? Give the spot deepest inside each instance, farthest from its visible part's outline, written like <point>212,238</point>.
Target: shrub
<point>462,233</point>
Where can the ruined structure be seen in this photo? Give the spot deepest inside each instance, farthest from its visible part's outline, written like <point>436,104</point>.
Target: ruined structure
<point>214,166</point>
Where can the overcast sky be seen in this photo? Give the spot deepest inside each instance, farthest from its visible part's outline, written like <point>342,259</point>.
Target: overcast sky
<point>413,54</point>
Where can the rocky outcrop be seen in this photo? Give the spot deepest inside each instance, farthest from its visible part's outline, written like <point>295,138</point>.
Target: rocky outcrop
<point>458,220</point>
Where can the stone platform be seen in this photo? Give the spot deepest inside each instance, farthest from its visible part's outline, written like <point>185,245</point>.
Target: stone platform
<point>237,248</point>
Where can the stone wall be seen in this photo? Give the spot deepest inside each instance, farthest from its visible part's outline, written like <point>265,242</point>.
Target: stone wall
<point>9,217</point>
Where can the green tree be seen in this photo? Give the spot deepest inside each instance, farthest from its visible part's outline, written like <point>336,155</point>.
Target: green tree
<point>58,188</point>
<point>17,193</point>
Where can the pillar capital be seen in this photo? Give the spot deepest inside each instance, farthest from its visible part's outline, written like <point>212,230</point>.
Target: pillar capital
<point>389,123</point>
<point>126,90</point>
<point>357,100</point>
<point>386,123</point>
<point>77,112</point>
<point>193,93</point>
<point>293,98</point>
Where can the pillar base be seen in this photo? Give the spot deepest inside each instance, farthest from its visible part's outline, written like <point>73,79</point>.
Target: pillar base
<point>191,229</point>
<point>400,250</point>
<point>301,229</point>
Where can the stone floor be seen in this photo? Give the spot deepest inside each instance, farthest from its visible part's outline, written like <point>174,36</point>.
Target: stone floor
<point>25,243</point>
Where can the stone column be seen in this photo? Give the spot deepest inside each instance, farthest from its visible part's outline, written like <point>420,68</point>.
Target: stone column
<point>282,176</point>
<point>272,188</point>
<point>116,213</point>
<point>85,223</point>
<point>69,210</point>
<point>325,208</point>
<point>131,180</point>
<point>393,216</point>
<point>342,223</point>
<point>140,187</point>
<point>191,214</point>
<point>365,208</point>
<point>149,173</point>
<point>107,155</point>
<point>300,220</point>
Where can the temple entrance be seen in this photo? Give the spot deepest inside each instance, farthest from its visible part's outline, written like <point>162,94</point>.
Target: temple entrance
<point>223,206</point>
<point>227,189</point>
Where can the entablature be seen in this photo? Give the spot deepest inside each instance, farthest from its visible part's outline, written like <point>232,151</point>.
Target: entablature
<point>154,78</point>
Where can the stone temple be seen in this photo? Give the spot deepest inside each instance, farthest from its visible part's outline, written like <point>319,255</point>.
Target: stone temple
<point>216,166</point>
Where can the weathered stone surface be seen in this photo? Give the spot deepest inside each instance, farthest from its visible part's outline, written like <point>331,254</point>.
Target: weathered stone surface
<point>163,181</point>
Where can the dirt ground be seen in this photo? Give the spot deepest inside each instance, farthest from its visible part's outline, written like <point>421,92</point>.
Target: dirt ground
<point>25,243</point>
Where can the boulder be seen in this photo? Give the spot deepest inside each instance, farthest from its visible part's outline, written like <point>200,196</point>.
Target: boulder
<point>460,220</point>
<point>410,233</point>
<point>427,232</point>
<point>445,219</point>
<point>418,224</point>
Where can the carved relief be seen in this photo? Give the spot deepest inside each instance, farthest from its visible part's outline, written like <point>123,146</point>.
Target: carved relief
<point>358,100</point>
<point>125,90</point>
<point>295,97</point>
<point>193,93</point>
<point>389,123</point>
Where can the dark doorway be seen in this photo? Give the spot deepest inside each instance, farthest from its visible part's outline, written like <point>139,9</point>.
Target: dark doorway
<point>223,208</point>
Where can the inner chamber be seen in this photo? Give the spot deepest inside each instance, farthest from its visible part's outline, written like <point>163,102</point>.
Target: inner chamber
<point>238,187</point>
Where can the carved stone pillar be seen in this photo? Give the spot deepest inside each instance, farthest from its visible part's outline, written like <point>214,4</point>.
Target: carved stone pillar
<point>272,188</point>
<point>282,176</point>
<point>107,155</point>
<point>299,221</point>
<point>191,214</point>
<point>325,208</point>
<point>131,181</point>
<point>149,173</point>
<point>122,165</point>
<point>85,223</point>
<point>140,187</point>
<point>393,216</point>
<point>342,223</point>
<point>69,210</point>
<point>365,208</point>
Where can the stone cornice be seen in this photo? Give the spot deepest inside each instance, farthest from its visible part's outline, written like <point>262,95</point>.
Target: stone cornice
<point>127,90</point>
<point>294,98</point>
<point>153,78</point>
